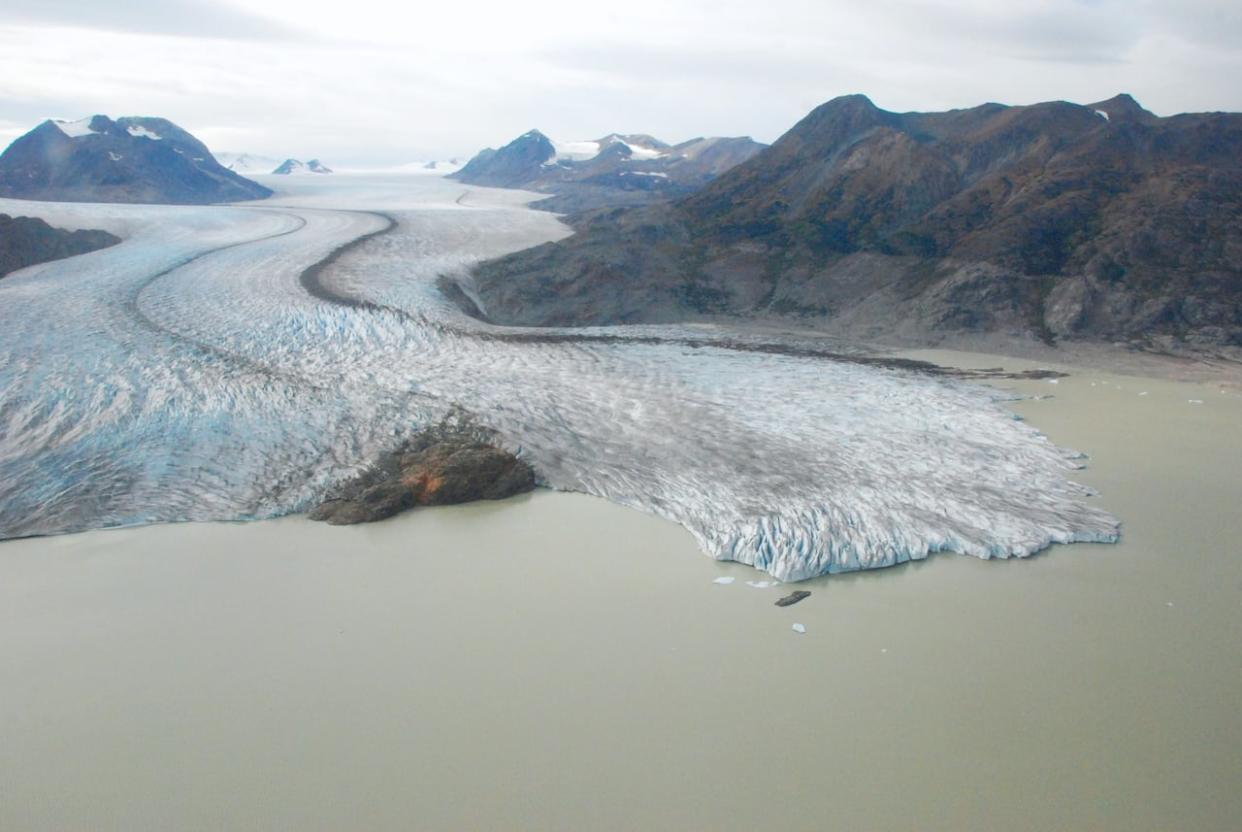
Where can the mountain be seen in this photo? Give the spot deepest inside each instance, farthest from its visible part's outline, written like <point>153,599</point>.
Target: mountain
<point>1046,221</point>
<point>247,163</point>
<point>25,241</point>
<point>443,165</point>
<point>516,165</point>
<point>294,167</point>
<point>97,159</point>
<point>614,170</point>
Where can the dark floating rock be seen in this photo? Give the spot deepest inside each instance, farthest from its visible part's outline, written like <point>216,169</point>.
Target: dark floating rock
<point>793,598</point>
<point>455,461</point>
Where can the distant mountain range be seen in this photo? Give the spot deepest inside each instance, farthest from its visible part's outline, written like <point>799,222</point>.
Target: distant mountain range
<point>248,163</point>
<point>25,241</point>
<point>447,165</point>
<point>1049,221</point>
<point>97,159</point>
<point>292,167</point>
<point>617,169</point>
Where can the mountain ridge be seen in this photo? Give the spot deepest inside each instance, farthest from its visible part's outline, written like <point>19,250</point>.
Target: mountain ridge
<point>1048,221</point>
<point>129,159</point>
<point>27,241</point>
<point>616,169</point>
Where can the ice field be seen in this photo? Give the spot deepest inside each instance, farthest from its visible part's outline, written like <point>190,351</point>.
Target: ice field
<point>189,374</point>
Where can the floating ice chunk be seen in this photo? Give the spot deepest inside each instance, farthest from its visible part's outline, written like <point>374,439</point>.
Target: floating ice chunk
<point>723,580</point>
<point>1054,381</point>
<point>799,628</point>
<point>883,649</point>
<point>1168,603</point>
<point>760,584</point>
<point>1195,401</point>
<point>1144,393</point>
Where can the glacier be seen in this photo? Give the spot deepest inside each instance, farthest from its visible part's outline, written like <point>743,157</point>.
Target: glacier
<point>189,374</point>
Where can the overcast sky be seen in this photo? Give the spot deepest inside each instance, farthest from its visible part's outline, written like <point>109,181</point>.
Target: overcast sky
<point>374,82</point>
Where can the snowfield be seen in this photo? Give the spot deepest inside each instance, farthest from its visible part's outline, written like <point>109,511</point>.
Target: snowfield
<point>75,129</point>
<point>187,374</point>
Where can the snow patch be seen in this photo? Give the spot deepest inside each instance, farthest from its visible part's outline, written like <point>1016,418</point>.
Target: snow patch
<point>140,132</point>
<point>116,157</point>
<point>575,151</point>
<point>76,129</point>
<point>1102,115</point>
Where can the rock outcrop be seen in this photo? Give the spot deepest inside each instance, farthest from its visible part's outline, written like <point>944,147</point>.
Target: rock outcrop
<point>97,159</point>
<point>453,462</point>
<point>630,169</point>
<point>25,241</point>
<point>1050,221</point>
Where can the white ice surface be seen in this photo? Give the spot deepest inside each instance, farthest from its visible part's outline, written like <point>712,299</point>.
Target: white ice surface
<point>642,154</point>
<point>76,129</point>
<point>187,375</point>
<point>142,132</point>
<point>577,151</point>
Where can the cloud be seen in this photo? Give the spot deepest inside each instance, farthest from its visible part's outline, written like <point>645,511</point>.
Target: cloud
<point>393,83</point>
<point>186,18</point>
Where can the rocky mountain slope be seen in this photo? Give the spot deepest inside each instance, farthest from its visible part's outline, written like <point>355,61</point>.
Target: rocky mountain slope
<point>25,241</point>
<point>615,170</point>
<point>97,159</point>
<point>1048,221</point>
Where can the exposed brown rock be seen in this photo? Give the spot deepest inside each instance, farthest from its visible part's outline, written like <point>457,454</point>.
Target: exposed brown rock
<point>453,462</point>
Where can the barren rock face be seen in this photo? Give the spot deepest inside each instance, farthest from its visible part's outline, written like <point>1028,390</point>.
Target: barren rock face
<point>452,472</point>
<point>450,463</point>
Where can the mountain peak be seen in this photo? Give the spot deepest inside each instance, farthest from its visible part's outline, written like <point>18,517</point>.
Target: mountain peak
<point>854,104</point>
<point>291,167</point>
<point>128,159</point>
<point>835,124</point>
<point>1122,107</point>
